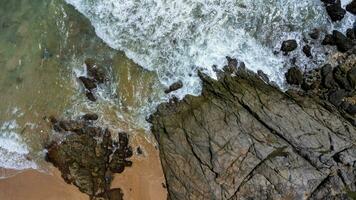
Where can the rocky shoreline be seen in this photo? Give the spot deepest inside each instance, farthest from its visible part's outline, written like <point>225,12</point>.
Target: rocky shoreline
<point>243,138</point>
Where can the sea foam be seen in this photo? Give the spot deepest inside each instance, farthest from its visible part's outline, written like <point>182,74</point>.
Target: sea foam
<point>176,38</point>
<point>13,150</point>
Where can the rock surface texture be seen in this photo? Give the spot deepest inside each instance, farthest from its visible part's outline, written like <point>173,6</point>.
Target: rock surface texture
<point>88,156</point>
<point>245,139</point>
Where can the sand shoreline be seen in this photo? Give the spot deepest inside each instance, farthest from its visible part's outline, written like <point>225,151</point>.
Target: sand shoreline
<point>141,181</point>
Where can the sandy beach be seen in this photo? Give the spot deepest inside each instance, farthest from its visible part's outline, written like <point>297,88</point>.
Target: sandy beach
<point>142,181</point>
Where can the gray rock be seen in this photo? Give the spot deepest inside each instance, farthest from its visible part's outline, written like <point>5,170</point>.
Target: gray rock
<point>244,139</point>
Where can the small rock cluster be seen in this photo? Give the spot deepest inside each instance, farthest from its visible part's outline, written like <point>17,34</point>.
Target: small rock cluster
<point>88,157</point>
<point>335,84</point>
<point>95,76</point>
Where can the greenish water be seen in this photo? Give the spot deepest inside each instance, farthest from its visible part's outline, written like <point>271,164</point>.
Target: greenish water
<point>43,44</point>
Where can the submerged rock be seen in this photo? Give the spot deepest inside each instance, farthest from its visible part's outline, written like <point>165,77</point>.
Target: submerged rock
<point>244,139</point>
<point>95,71</point>
<point>86,155</point>
<point>289,45</point>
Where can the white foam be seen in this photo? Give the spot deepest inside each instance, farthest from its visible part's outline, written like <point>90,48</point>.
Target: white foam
<point>175,38</point>
<point>13,150</point>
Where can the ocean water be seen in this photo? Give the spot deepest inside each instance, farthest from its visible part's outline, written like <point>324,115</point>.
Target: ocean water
<point>176,38</point>
<point>143,45</point>
<point>43,45</point>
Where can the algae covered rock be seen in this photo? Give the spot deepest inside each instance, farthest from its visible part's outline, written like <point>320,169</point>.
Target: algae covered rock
<point>86,155</point>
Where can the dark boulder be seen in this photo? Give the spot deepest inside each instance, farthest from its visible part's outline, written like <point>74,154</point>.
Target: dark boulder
<point>351,33</point>
<point>340,76</point>
<point>351,7</point>
<point>88,82</point>
<point>175,86</point>
<point>95,71</point>
<point>335,11</point>
<point>90,117</point>
<point>90,96</point>
<point>327,77</point>
<point>328,40</point>
<point>294,76</point>
<point>314,34</point>
<point>307,50</point>
<point>289,45</point>
<point>342,42</point>
<point>336,97</point>
<point>330,1</point>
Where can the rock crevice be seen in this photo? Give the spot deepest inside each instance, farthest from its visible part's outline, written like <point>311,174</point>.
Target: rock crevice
<point>245,139</point>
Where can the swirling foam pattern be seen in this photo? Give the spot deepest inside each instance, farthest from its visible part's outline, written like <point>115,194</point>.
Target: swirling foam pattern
<point>176,37</point>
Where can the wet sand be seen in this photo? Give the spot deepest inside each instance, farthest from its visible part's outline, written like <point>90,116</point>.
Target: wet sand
<point>35,185</point>
<point>145,179</point>
<point>142,181</point>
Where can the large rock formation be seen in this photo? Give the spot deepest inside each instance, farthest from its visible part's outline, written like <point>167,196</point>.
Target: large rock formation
<point>88,156</point>
<point>245,139</point>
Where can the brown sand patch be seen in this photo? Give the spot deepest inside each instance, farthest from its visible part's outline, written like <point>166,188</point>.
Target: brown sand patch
<point>35,185</point>
<point>145,179</point>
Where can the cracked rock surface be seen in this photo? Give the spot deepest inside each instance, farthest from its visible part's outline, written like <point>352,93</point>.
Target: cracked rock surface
<point>245,139</point>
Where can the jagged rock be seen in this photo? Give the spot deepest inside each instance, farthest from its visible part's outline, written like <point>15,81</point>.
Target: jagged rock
<point>244,139</point>
<point>335,11</point>
<point>289,45</point>
<point>342,42</point>
<point>351,7</point>
<point>307,50</point>
<point>294,76</point>
<point>175,86</point>
<point>84,157</point>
